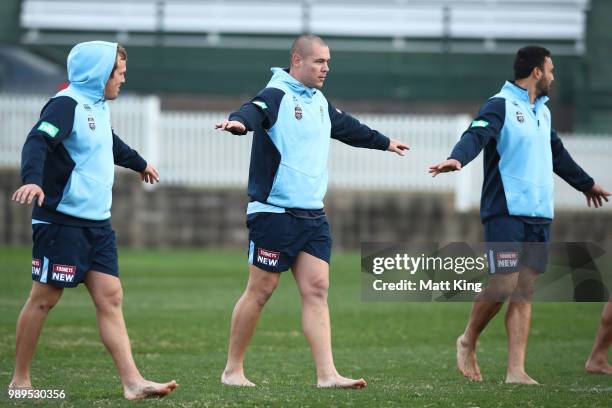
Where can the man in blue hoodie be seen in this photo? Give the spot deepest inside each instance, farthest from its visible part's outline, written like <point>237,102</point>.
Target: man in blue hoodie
<point>292,124</point>
<point>67,168</point>
<point>521,152</point>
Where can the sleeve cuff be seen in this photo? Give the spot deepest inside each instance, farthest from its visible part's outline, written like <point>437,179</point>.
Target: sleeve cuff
<point>239,118</point>
<point>586,186</point>
<point>139,164</point>
<point>33,180</point>
<point>456,158</point>
<point>385,143</point>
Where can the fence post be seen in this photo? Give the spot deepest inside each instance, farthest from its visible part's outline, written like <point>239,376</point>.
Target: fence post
<point>463,186</point>
<point>151,142</point>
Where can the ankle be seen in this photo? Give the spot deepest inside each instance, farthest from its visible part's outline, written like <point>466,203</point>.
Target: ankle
<point>516,371</point>
<point>327,375</point>
<point>468,342</point>
<point>132,381</point>
<point>598,358</point>
<point>20,381</point>
<point>233,369</point>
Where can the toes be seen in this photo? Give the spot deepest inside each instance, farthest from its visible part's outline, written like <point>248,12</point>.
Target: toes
<point>359,384</point>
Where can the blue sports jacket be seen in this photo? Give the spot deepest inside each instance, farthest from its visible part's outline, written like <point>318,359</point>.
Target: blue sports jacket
<point>521,152</point>
<point>292,127</point>
<point>71,151</point>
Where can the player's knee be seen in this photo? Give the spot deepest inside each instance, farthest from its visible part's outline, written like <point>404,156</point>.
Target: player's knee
<point>263,291</point>
<point>316,289</point>
<point>606,319</point>
<point>43,304</point>
<point>523,292</point>
<point>109,300</point>
<point>501,291</point>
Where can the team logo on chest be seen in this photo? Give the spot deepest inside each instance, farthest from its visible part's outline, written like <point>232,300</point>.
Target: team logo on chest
<point>520,117</point>
<point>90,120</point>
<point>298,109</point>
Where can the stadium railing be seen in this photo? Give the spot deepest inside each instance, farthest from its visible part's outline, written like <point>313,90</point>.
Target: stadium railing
<point>487,21</point>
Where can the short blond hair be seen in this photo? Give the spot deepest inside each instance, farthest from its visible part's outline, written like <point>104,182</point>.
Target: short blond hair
<point>121,53</point>
<point>302,45</point>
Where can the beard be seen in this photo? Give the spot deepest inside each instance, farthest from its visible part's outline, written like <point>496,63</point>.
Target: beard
<point>542,87</point>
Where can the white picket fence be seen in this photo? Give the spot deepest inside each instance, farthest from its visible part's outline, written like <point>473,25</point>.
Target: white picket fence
<point>188,151</point>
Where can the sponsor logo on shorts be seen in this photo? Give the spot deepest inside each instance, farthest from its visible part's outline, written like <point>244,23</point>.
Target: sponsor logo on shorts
<point>36,266</point>
<point>507,259</point>
<point>63,273</point>
<point>267,257</point>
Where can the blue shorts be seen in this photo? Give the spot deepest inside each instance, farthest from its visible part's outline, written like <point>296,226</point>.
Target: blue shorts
<point>512,243</point>
<point>62,254</point>
<point>276,239</point>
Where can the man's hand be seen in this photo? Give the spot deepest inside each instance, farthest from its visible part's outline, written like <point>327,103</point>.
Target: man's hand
<point>596,195</point>
<point>445,167</point>
<point>150,175</point>
<point>27,193</point>
<point>232,126</point>
<point>398,147</point>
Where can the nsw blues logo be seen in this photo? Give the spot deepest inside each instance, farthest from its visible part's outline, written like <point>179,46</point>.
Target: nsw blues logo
<point>520,117</point>
<point>298,112</point>
<point>92,123</point>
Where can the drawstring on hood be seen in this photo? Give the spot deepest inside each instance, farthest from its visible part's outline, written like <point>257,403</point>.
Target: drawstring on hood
<point>89,67</point>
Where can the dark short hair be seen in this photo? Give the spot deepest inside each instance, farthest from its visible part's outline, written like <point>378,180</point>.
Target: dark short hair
<point>527,58</point>
<point>121,53</point>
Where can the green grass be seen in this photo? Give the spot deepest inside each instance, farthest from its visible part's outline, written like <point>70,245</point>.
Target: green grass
<point>178,305</point>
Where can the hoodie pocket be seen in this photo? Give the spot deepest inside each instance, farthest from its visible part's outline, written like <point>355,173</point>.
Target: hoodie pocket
<point>528,199</point>
<point>293,188</point>
<point>85,197</point>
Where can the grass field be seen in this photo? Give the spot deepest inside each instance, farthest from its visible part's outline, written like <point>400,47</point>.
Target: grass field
<point>178,306</point>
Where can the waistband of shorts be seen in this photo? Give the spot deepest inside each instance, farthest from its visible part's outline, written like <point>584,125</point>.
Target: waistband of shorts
<point>55,217</point>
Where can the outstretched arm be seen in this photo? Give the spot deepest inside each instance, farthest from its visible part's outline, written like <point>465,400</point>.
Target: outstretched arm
<point>349,130</point>
<point>129,158</point>
<point>54,126</point>
<point>566,168</point>
<point>482,130</point>
<point>261,111</point>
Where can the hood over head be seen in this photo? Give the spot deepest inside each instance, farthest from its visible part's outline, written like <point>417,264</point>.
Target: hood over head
<point>89,67</point>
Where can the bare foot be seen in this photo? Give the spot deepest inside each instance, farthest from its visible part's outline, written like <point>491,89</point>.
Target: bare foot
<point>520,378</point>
<point>466,360</point>
<point>147,389</point>
<point>594,366</point>
<point>236,379</point>
<point>342,382</point>
<point>20,386</point>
